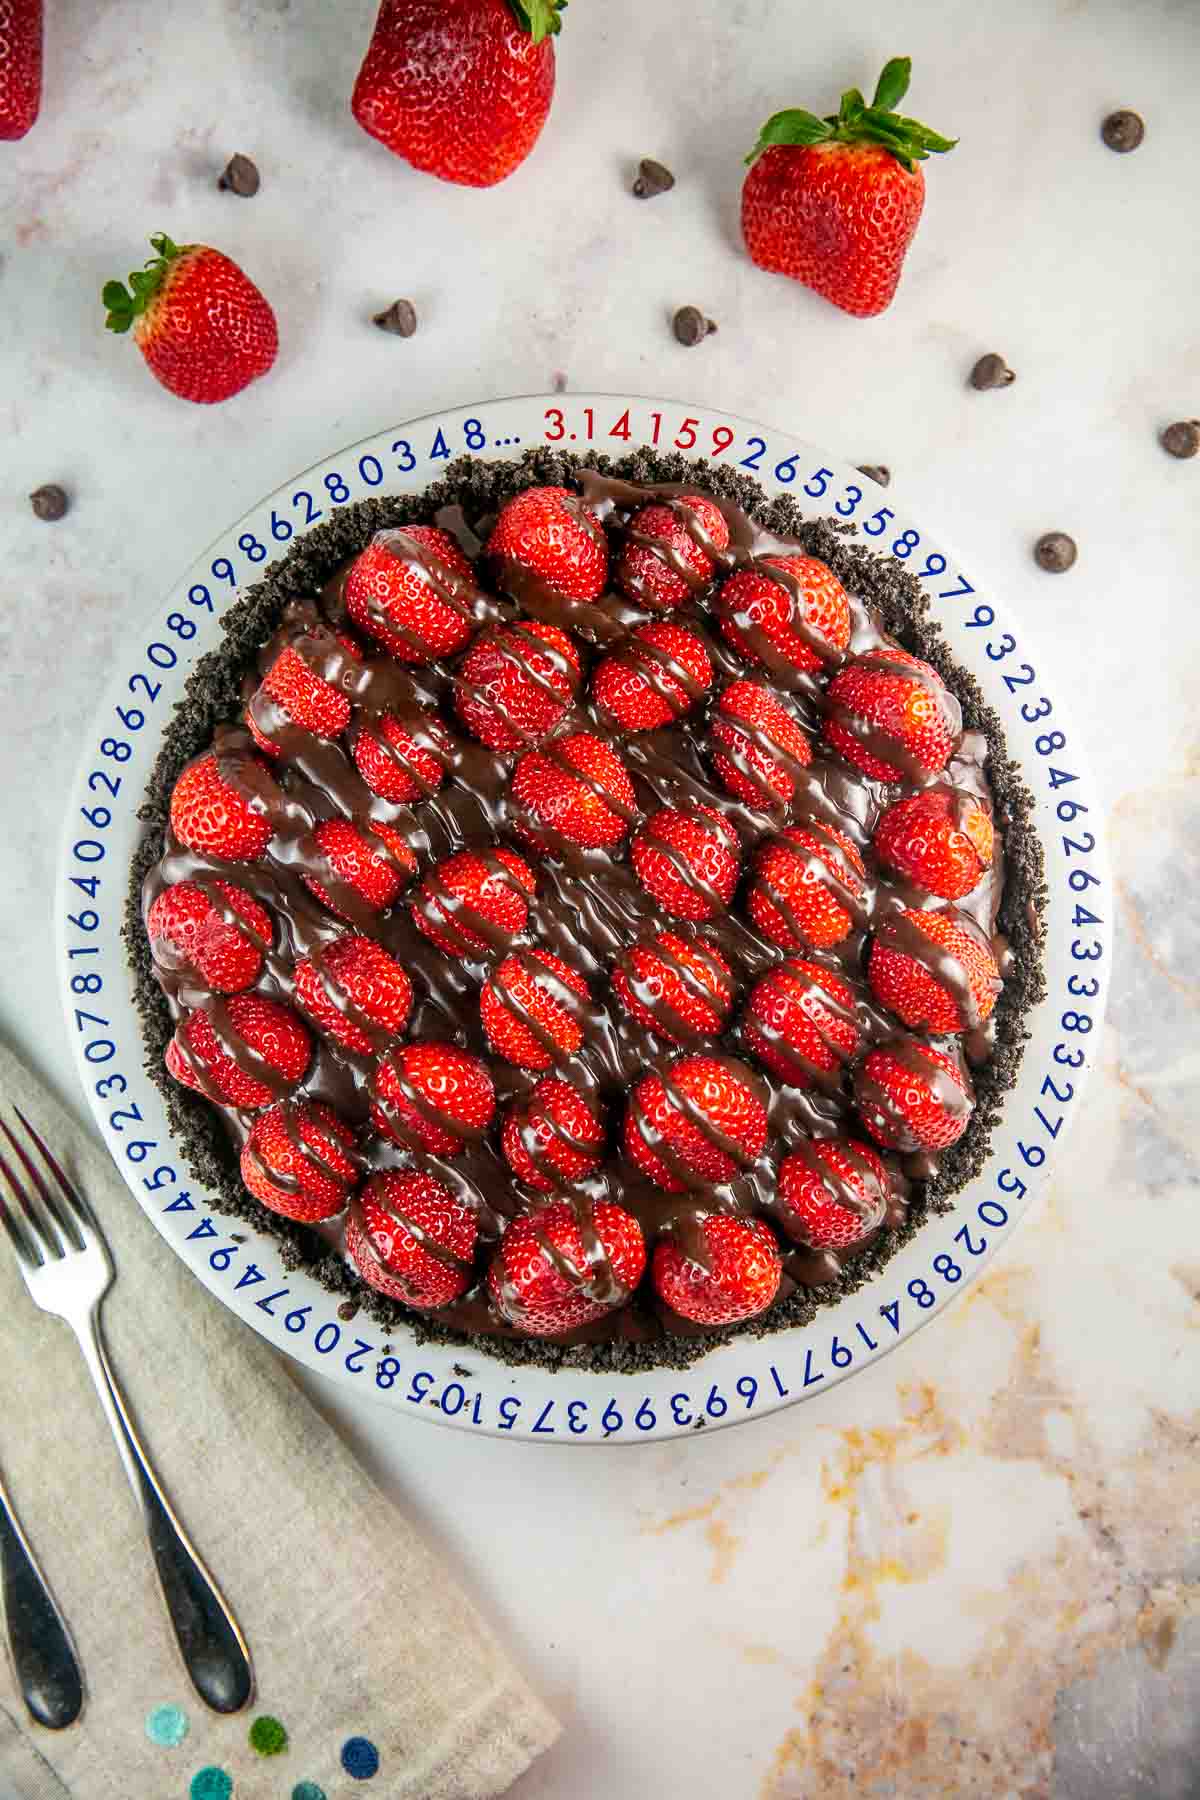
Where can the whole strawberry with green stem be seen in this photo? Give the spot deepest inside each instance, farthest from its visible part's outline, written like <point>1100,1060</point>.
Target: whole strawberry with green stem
<point>835,202</point>
<point>460,88</point>
<point>203,327</point>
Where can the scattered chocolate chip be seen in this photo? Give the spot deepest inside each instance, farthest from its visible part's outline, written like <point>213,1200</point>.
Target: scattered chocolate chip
<point>876,472</point>
<point>49,502</point>
<point>1123,131</point>
<point>690,325</point>
<point>652,178</point>
<point>460,1369</point>
<point>347,1310</point>
<point>1181,439</point>
<point>991,371</point>
<point>240,177</point>
<point>1055,552</point>
<point>400,318</point>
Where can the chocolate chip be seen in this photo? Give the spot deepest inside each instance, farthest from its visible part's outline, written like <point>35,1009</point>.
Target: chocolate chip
<point>690,325</point>
<point>991,371</point>
<point>49,502</point>
<point>347,1310</point>
<point>400,318</point>
<point>652,178</point>
<point>1181,439</point>
<point>1123,131</point>
<point>1055,552</point>
<point>876,472</point>
<point>240,177</point>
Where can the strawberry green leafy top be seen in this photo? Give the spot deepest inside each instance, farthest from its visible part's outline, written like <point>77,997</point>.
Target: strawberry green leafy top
<point>538,17</point>
<point>125,304</point>
<point>857,123</point>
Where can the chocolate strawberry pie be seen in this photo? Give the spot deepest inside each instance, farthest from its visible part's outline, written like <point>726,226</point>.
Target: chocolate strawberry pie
<point>585,910</point>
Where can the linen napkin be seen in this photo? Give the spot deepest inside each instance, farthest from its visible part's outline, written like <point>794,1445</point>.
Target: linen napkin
<point>374,1664</point>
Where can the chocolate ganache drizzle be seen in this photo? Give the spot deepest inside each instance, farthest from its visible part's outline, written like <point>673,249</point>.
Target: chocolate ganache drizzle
<point>589,908</point>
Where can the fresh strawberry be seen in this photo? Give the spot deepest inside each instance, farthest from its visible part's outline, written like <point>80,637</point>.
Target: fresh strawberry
<point>552,1138</point>
<point>834,202</point>
<point>412,590</point>
<point>401,760</point>
<point>307,699</point>
<point>942,839</point>
<point>189,927</point>
<point>919,959</point>
<point>528,1016</point>
<point>376,867</point>
<point>475,901</point>
<point>202,326</point>
<point>213,817</point>
<point>889,705</point>
<point>738,1278</point>
<point>550,534</point>
<point>688,861</point>
<point>674,564</point>
<point>300,1161</point>
<point>554,1273</point>
<point>679,988</point>
<point>800,1022</point>
<point>806,888</point>
<point>913,1097</point>
<point>656,676</point>
<point>800,620</point>
<point>515,684</point>
<point>577,790</point>
<point>410,1238</point>
<point>271,1034</point>
<point>702,1121</point>
<point>762,744</point>
<point>353,984</point>
<point>833,1193</point>
<point>20,66</point>
<point>459,88</point>
<point>433,1096</point>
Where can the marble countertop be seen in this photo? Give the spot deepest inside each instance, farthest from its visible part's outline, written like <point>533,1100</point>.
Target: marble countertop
<point>972,1569</point>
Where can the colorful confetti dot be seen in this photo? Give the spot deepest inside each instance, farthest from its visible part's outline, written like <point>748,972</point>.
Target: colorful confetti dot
<point>211,1784</point>
<point>268,1736</point>
<point>167,1726</point>
<point>307,1790</point>
<point>360,1758</point>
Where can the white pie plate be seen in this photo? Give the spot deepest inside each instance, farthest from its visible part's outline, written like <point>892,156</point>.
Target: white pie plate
<point>466,1387</point>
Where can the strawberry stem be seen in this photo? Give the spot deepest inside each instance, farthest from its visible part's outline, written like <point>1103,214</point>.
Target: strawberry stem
<point>538,17</point>
<point>123,305</point>
<point>855,122</point>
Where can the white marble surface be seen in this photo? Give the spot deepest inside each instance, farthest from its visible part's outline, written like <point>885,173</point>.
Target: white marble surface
<point>972,1569</point>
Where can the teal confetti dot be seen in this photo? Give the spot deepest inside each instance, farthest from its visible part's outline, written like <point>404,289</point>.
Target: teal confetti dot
<point>268,1736</point>
<point>167,1726</point>
<point>360,1758</point>
<point>211,1784</point>
<point>307,1790</point>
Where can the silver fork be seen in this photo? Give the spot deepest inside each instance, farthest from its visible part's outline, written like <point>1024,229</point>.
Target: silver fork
<point>64,1260</point>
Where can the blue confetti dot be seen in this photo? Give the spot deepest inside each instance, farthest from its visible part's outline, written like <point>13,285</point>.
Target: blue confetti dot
<point>167,1726</point>
<point>307,1790</point>
<point>360,1758</point>
<point>211,1784</point>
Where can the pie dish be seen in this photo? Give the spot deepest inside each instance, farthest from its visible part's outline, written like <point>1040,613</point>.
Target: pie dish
<point>689,774</point>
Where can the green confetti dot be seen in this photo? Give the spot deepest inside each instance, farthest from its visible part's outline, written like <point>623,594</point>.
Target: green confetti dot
<point>167,1726</point>
<point>211,1784</point>
<point>307,1790</point>
<point>268,1736</point>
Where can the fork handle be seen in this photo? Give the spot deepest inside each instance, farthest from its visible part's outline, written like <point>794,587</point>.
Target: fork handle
<point>210,1641</point>
<point>43,1655</point>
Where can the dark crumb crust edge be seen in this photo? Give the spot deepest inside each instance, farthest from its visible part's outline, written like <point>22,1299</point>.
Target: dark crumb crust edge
<point>212,695</point>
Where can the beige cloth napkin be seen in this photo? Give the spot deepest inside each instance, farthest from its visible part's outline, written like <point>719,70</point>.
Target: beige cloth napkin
<point>354,1628</point>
